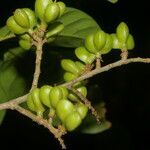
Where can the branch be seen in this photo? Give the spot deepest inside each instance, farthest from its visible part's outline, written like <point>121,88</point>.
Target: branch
<point>37,64</point>
<point>43,122</point>
<point>87,103</point>
<point>12,103</point>
<point>106,68</point>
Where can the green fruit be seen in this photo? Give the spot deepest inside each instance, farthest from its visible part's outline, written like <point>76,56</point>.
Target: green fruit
<point>122,32</point>
<point>130,42</point>
<point>31,17</point>
<point>64,108</point>
<point>30,103</point>
<point>54,29</point>
<point>84,55</point>
<point>51,12</point>
<point>44,95</point>
<point>40,7</point>
<point>25,37</point>
<point>108,45</point>
<point>72,121</point>
<point>82,109</point>
<point>62,8</point>
<point>70,66</point>
<point>25,44</point>
<point>82,90</point>
<point>36,100</point>
<point>55,96</point>
<point>21,18</point>
<point>115,42</point>
<point>69,76</point>
<point>14,27</point>
<point>99,40</point>
<point>80,66</point>
<point>89,44</point>
<point>64,92</point>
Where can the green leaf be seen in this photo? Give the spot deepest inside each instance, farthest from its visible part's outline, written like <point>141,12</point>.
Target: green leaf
<point>12,84</point>
<point>5,34</point>
<point>14,53</point>
<point>113,1</point>
<point>90,125</point>
<point>77,26</point>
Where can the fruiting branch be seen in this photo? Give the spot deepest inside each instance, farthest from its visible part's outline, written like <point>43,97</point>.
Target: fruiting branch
<point>87,103</point>
<point>19,100</point>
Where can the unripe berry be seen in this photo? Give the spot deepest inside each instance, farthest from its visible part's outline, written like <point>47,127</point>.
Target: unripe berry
<point>89,44</point>
<point>36,100</point>
<point>40,7</point>
<point>72,121</point>
<point>30,103</point>
<point>82,109</point>
<point>115,42</point>
<point>99,40</point>
<point>55,96</point>
<point>64,108</point>
<point>122,32</point>
<point>130,42</point>
<point>21,18</point>
<point>52,12</point>
<point>44,95</point>
<point>31,17</point>
<point>69,76</point>
<point>14,27</point>
<point>25,44</point>
<point>70,66</point>
<point>84,55</point>
<point>108,45</point>
<point>62,8</point>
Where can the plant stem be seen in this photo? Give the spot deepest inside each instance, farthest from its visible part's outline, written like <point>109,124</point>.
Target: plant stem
<point>106,68</point>
<point>87,103</point>
<point>43,122</point>
<point>37,71</point>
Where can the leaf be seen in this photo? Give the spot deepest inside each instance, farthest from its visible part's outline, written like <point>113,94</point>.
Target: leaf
<point>90,125</point>
<point>95,128</point>
<point>77,26</point>
<point>113,1</point>
<point>5,34</point>
<point>12,84</point>
<point>13,53</point>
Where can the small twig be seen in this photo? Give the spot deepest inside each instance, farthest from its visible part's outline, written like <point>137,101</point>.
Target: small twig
<point>41,121</point>
<point>87,103</point>
<point>12,103</point>
<point>98,62</point>
<point>124,55</point>
<point>37,65</point>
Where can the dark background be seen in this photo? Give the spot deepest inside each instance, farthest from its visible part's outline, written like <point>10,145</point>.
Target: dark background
<point>126,90</point>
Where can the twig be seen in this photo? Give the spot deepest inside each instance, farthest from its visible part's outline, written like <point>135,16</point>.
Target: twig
<point>106,68</point>
<point>12,103</point>
<point>37,65</point>
<point>87,103</point>
<point>41,121</point>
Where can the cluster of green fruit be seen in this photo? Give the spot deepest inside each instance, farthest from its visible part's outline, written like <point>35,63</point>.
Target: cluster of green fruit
<point>99,43</point>
<point>26,21</point>
<point>60,104</point>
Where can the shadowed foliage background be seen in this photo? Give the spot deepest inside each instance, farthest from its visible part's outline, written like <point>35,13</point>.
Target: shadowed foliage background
<point>125,90</point>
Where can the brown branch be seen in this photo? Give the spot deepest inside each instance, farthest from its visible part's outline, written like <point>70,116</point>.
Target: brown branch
<point>87,103</point>
<point>37,64</point>
<point>106,68</point>
<point>12,103</point>
<point>41,121</point>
